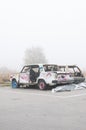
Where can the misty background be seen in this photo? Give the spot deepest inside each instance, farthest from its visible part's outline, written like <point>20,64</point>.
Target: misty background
<point>58,28</point>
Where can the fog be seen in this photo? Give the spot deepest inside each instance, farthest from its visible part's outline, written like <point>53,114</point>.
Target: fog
<point>58,27</point>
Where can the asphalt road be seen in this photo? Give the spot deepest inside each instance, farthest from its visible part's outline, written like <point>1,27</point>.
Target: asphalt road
<point>32,109</point>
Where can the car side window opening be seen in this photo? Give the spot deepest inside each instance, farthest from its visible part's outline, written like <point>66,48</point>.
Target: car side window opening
<point>25,69</point>
<point>34,73</point>
<point>50,68</point>
<point>77,71</point>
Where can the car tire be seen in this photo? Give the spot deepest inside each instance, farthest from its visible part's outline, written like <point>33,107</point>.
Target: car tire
<point>14,84</point>
<point>42,85</point>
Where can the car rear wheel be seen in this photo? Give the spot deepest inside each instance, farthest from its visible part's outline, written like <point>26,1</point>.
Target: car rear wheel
<point>42,85</point>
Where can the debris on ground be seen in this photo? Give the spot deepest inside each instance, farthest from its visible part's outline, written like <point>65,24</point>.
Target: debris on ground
<point>70,87</point>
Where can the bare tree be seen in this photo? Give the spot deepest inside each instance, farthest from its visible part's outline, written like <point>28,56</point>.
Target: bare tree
<point>34,55</point>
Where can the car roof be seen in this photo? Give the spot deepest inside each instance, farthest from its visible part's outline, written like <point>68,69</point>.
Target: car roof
<point>39,65</point>
<point>67,65</point>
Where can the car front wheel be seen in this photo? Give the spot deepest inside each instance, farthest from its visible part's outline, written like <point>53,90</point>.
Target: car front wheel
<point>14,84</point>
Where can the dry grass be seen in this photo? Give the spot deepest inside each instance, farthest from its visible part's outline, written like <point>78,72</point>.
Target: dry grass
<point>5,79</point>
<point>84,73</point>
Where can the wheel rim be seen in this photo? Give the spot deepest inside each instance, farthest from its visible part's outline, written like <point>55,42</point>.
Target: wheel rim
<point>42,85</point>
<point>14,84</point>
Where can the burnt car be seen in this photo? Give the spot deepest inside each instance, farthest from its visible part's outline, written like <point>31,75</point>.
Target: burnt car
<point>73,71</point>
<point>44,75</point>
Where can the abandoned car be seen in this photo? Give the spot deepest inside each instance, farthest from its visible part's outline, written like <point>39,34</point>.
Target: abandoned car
<point>45,75</point>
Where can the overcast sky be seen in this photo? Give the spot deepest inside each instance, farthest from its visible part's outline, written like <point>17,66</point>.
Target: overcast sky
<point>57,26</point>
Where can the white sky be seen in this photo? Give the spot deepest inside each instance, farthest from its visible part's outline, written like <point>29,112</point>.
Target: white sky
<point>58,26</point>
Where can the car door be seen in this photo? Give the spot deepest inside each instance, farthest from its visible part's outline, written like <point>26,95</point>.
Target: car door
<point>24,77</point>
